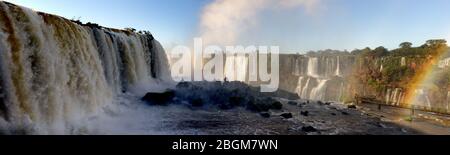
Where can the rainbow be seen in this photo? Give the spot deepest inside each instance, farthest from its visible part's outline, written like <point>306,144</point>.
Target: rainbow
<point>424,75</point>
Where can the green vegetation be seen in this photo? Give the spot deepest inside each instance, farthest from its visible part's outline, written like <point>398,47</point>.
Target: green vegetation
<point>379,69</point>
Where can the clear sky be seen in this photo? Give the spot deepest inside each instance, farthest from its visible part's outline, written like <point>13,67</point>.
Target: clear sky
<point>330,24</point>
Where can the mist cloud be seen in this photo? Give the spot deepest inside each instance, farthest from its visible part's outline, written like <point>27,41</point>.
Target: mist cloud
<point>224,21</point>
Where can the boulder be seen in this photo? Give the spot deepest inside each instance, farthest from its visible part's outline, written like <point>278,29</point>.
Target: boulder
<point>304,113</point>
<point>265,114</point>
<point>198,102</point>
<point>320,103</point>
<point>159,98</point>
<point>309,129</point>
<point>292,103</point>
<point>236,100</point>
<point>286,115</point>
<point>276,105</point>
<point>264,104</point>
<point>183,85</point>
<point>352,106</point>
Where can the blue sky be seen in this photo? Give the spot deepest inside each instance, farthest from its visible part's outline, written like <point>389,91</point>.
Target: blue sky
<point>335,24</point>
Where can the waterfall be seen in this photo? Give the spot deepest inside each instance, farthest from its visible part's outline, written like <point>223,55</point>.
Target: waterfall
<point>297,65</point>
<point>395,96</point>
<point>313,67</point>
<point>299,89</point>
<point>403,61</point>
<point>388,96</point>
<point>338,67</point>
<point>323,77</point>
<point>305,94</point>
<point>318,93</point>
<point>55,73</point>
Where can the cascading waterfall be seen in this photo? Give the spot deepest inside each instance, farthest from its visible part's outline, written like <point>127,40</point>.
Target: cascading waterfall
<point>338,67</point>
<point>297,70</point>
<point>318,93</point>
<point>305,93</point>
<point>313,67</point>
<point>55,73</point>
<point>395,97</point>
<point>299,88</point>
<point>323,77</point>
<point>403,61</point>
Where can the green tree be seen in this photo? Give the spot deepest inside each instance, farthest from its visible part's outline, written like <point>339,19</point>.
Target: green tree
<point>406,45</point>
<point>436,42</point>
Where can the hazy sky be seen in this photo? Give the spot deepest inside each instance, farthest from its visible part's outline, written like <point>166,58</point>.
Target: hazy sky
<point>297,25</point>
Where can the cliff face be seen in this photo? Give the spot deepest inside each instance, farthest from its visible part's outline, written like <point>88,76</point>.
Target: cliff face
<point>385,76</point>
<point>55,72</point>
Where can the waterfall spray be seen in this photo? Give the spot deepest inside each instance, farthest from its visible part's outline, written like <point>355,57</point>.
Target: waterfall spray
<point>55,73</point>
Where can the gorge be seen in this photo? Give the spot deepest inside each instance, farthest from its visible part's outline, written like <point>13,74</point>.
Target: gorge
<point>60,76</point>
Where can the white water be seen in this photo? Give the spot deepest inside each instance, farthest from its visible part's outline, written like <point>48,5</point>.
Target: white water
<point>297,71</point>
<point>305,93</point>
<point>318,93</point>
<point>56,74</point>
<point>403,61</point>
<point>313,67</point>
<point>338,67</point>
<point>395,97</point>
<point>315,84</point>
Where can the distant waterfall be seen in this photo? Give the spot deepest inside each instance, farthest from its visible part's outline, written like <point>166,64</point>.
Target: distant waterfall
<point>313,67</point>
<point>55,73</point>
<point>323,78</point>
<point>395,96</point>
<point>318,93</point>
<point>338,66</point>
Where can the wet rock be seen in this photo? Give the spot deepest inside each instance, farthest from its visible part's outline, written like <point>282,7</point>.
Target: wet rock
<point>286,115</point>
<point>159,98</point>
<point>257,106</point>
<point>345,113</point>
<point>309,129</point>
<point>264,104</point>
<point>183,85</point>
<point>227,106</point>
<point>304,113</point>
<point>276,105</point>
<point>320,103</point>
<point>352,106</point>
<point>334,114</point>
<point>265,114</point>
<point>236,100</point>
<point>376,124</point>
<point>292,103</point>
<point>198,102</point>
